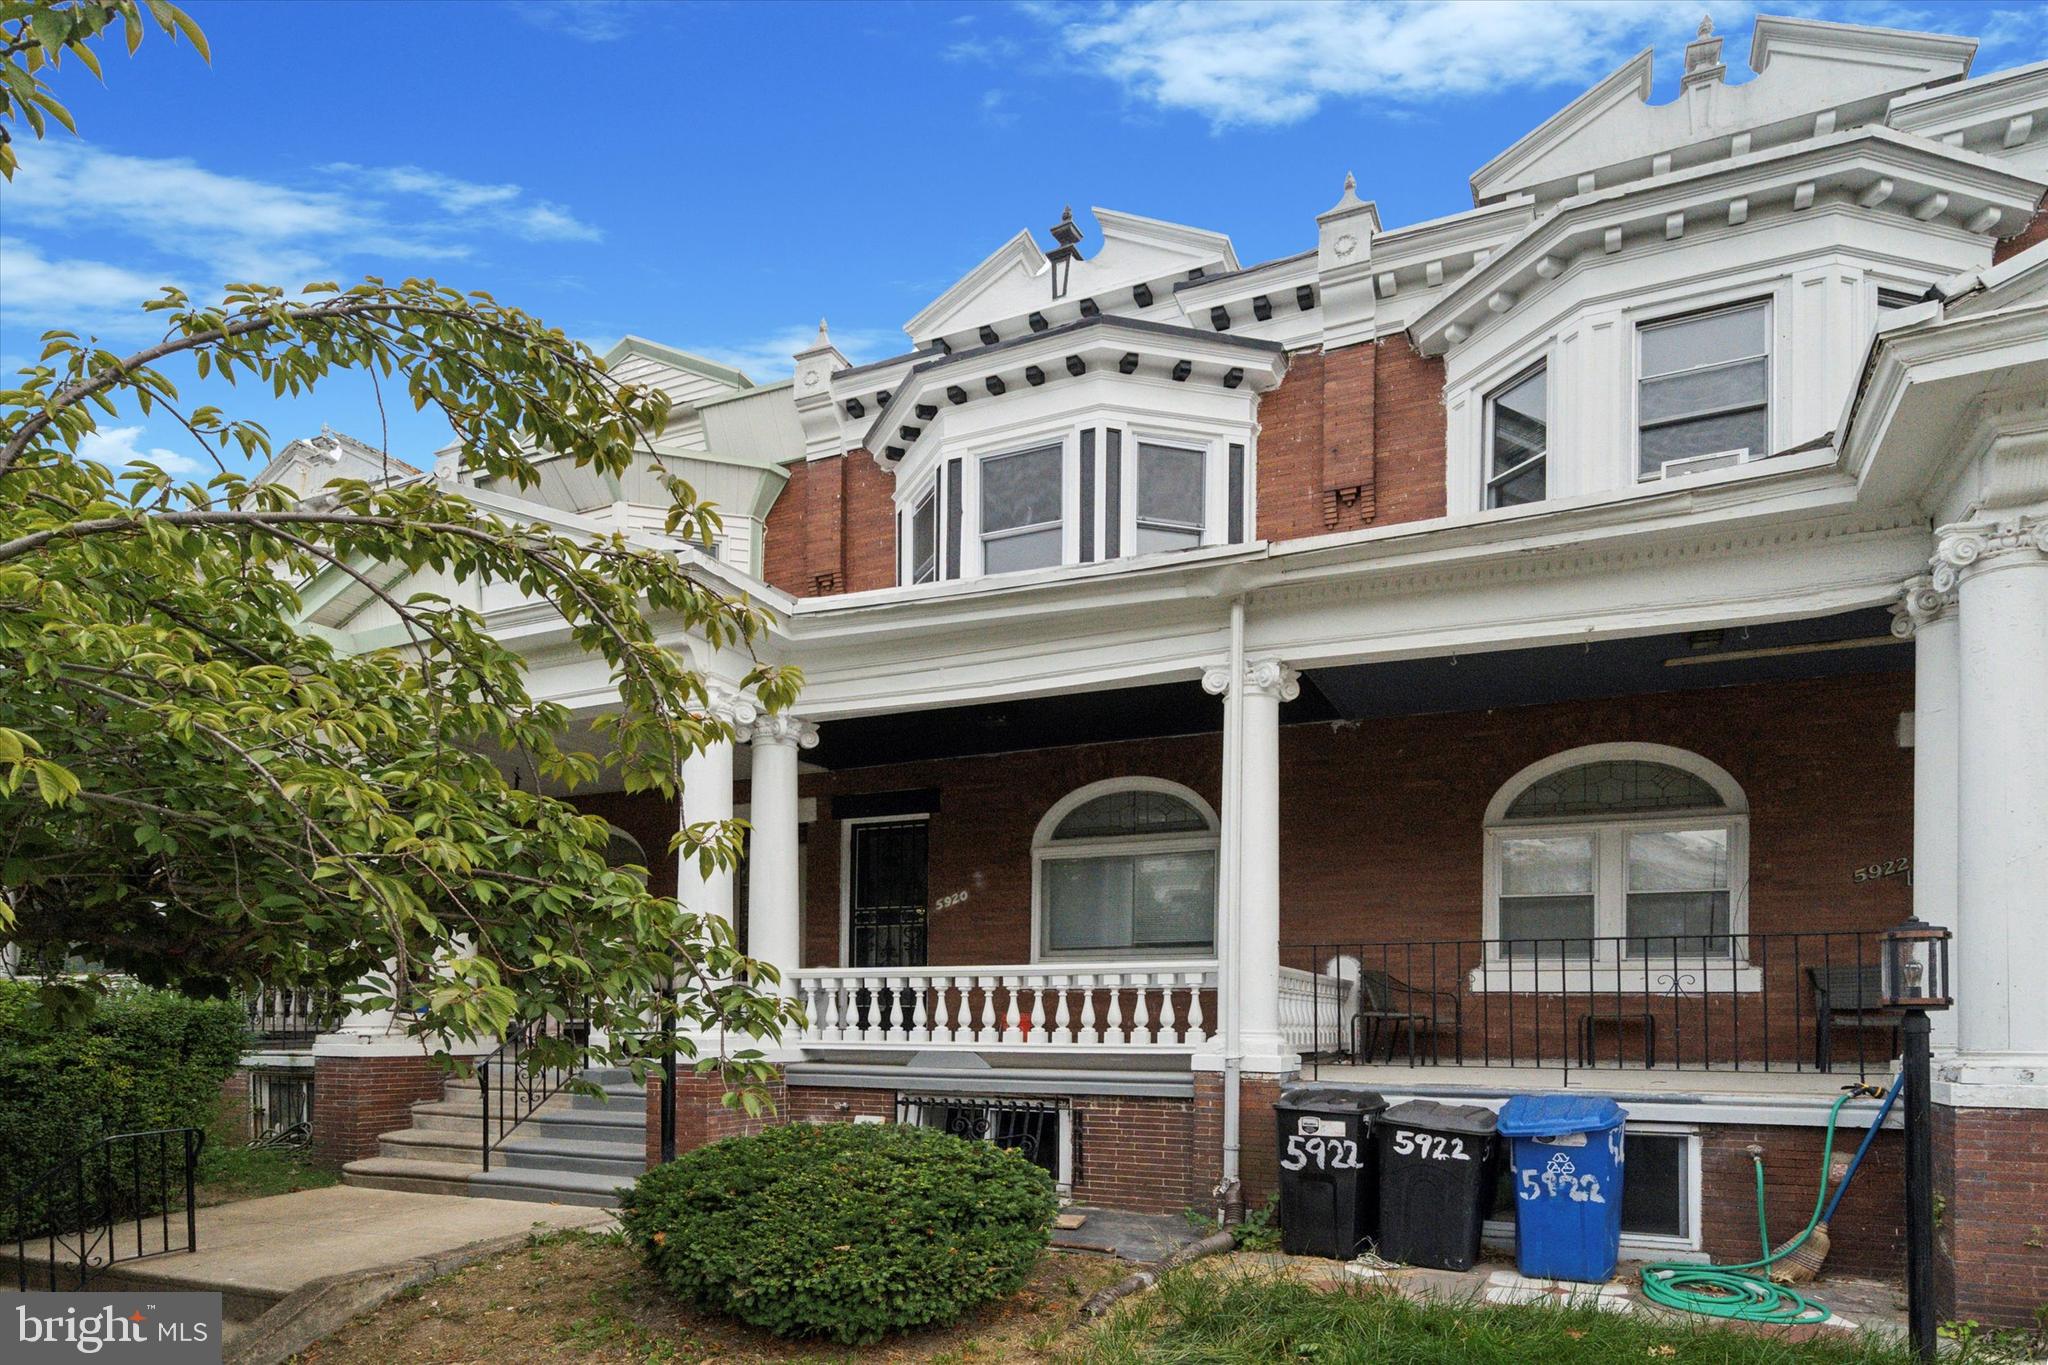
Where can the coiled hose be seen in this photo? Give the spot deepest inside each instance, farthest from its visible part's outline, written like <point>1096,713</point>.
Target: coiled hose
<point>1745,1291</point>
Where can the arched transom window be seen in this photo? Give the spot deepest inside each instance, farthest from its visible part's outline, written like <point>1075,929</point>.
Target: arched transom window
<point>1630,851</point>
<point>1126,868</point>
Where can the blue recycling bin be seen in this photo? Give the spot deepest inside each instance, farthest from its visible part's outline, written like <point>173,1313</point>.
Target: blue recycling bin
<point>1567,1156</point>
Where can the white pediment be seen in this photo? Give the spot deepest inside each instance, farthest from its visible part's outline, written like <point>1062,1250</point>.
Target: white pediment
<point>1016,280</point>
<point>686,378</point>
<point>1804,67</point>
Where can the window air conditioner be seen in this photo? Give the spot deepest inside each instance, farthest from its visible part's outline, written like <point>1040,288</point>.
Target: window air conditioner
<point>1695,464</point>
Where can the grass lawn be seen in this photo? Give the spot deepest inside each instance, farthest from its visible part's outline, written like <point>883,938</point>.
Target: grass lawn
<point>586,1297</point>
<point>227,1173</point>
<point>1248,1317</point>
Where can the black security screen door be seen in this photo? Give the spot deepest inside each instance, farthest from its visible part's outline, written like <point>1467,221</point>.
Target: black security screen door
<point>888,900</point>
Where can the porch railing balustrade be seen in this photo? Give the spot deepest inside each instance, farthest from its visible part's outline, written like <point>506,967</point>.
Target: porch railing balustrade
<point>1802,1002</point>
<point>1127,1006</point>
<point>284,1016</point>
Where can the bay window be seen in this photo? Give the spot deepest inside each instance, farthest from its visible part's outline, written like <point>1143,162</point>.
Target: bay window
<point>1172,488</point>
<point>1518,441</point>
<point>924,538</point>
<point>1022,495</point>
<point>1703,390</point>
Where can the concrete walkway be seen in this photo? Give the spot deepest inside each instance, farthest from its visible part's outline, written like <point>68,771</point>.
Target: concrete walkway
<point>258,1251</point>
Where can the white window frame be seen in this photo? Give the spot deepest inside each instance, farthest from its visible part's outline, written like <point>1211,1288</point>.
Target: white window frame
<point>929,493</point>
<point>1608,969</point>
<point>1773,415</point>
<point>1063,442</point>
<point>1500,1232</point>
<point>1215,452</point>
<point>1487,478</point>
<point>1044,849</point>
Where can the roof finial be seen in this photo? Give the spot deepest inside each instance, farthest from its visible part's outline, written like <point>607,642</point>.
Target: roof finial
<point>1706,25</point>
<point>1350,183</point>
<point>823,339</point>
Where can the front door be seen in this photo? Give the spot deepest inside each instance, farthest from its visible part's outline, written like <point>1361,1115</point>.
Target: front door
<point>887,899</point>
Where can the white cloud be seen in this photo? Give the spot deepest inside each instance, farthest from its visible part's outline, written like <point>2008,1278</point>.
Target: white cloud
<point>585,21</point>
<point>32,286</point>
<point>502,207</point>
<point>116,447</point>
<point>772,357</point>
<point>1277,63</point>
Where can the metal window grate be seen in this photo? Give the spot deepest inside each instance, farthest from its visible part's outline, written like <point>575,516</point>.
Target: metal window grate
<point>1041,1131</point>
<point>281,1106</point>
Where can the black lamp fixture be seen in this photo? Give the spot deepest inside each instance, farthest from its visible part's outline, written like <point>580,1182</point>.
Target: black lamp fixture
<point>1913,979</point>
<point>1913,973</point>
<point>1066,234</point>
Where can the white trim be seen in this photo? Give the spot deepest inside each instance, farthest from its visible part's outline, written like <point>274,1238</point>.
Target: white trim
<point>1487,407</point>
<point>1715,776</point>
<point>1043,847</point>
<point>1741,297</point>
<point>1500,1232</point>
<point>846,875</point>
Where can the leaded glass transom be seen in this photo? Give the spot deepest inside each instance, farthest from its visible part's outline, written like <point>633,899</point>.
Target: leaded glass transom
<point>1614,787</point>
<point>1118,815</point>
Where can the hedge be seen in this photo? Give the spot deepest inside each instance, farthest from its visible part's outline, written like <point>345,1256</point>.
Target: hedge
<point>847,1231</point>
<point>145,1059</point>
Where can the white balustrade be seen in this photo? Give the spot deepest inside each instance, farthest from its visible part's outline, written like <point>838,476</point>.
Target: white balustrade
<point>1315,1010</point>
<point>1122,1006</point>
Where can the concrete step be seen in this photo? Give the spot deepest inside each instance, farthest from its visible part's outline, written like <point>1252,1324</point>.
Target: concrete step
<point>547,1187</point>
<point>555,1119</point>
<point>621,1099</point>
<point>404,1173</point>
<point>624,1160</point>
<point>433,1144</point>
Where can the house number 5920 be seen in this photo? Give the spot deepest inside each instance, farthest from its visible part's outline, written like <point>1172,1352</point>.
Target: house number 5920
<point>1891,867</point>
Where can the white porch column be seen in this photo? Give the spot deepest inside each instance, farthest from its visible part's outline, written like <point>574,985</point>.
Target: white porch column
<point>1999,572</point>
<point>1928,619</point>
<point>774,916</point>
<point>1251,815</point>
<point>707,796</point>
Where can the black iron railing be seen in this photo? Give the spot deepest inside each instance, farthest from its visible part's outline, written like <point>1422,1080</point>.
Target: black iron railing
<point>292,1016</point>
<point>535,1063</point>
<point>126,1197</point>
<point>1698,1002</point>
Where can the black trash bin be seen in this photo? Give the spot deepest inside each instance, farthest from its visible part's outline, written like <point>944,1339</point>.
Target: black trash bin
<point>1328,1187</point>
<point>1437,1169</point>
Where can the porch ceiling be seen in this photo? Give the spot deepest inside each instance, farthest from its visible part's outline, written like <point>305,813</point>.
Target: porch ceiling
<point>1818,647</point>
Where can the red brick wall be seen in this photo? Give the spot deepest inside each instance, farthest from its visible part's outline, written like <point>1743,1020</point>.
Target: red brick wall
<point>1380,825</point>
<point>1258,1169</point>
<point>1136,1153</point>
<point>1868,1232</point>
<point>832,528</point>
<point>2034,233</point>
<point>232,1124</point>
<point>1991,1229</point>
<point>357,1098</point>
<point>839,1104</point>
<point>1351,438</point>
<point>703,1116</point>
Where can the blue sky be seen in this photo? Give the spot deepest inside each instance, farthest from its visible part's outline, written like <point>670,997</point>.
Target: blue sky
<point>718,176</point>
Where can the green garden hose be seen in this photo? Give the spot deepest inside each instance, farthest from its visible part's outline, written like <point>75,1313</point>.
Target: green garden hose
<point>1743,1291</point>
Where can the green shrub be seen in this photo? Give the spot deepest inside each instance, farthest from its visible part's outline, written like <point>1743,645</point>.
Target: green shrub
<point>144,1059</point>
<point>848,1231</point>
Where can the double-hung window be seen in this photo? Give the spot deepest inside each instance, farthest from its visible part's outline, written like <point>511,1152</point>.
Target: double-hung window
<point>1021,502</point>
<point>1617,856</point>
<point>924,538</point>
<point>1518,441</point>
<point>1130,869</point>
<point>1703,391</point>
<point>1172,487</point>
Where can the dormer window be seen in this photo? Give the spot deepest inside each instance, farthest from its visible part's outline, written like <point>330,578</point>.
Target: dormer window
<point>1518,441</point>
<point>1021,500</point>
<point>1703,395</point>
<point>1172,486</point>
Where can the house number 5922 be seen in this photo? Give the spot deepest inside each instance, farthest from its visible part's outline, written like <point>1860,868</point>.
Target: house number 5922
<point>1891,867</point>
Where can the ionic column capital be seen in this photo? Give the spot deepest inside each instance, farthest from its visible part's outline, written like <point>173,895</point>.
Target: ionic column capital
<point>1966,547</point>
<point>1264,677</point>
<point>1920,605</point>
<point>730,707</point>
<point>783,728</point>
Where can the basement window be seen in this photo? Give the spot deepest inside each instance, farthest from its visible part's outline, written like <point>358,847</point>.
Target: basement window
<point>1040,1131</point>
<point>1660,1198</point>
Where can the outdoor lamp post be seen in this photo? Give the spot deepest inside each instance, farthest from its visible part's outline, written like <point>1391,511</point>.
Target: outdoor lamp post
<point>1914,971</point>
